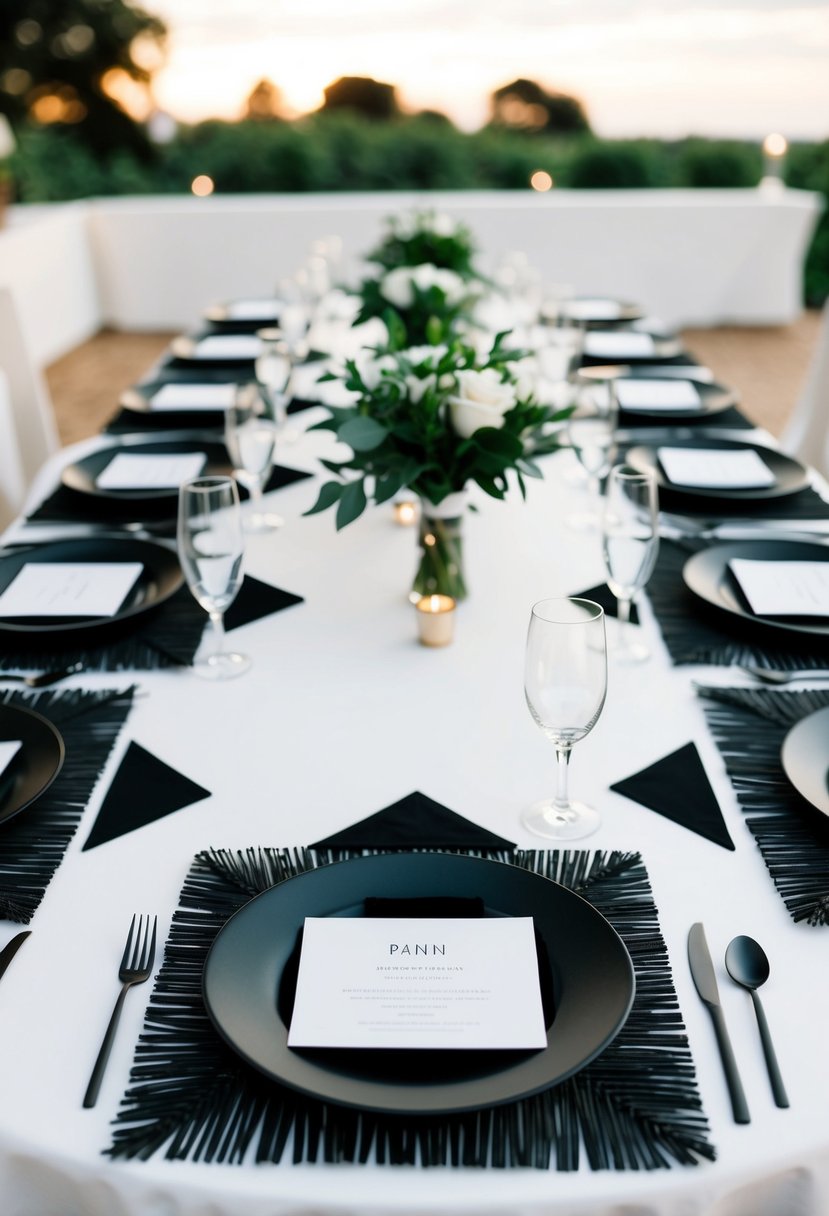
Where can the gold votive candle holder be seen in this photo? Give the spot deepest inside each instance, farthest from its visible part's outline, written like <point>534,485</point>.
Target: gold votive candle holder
<point>405,512</point>
<point>435,619</point>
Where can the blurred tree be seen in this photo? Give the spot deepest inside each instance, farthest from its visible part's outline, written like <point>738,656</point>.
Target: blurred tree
<point>67,61</point>
<point>264,101</point>
<point>369,97</point>
<point>525,105</point>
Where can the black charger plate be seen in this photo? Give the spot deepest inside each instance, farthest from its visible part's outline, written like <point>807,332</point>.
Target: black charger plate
<point>36,764</point>
<point>790,476</point>
<point>707,575</point>
<point>160,578</point>
<point>714,399</point>
<point>805,758</point>
<point>82,475</point>
<point>185,348</point>
<point>250,971</point>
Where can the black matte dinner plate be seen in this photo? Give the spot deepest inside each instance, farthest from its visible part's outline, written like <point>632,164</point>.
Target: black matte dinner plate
<point>250,973</point>
<point>82,475</point>
<point>139,398</point>
<point>186,348</point>
<point>35,765</point>
<point>707,575</point>
<point>648,371</point>
<point>664,346</point>
<point>805,758</point>
<point>267,313</point>
<point>607,311</point>
<point>714,399</point>
<point>790,475</point>
<point>160,578</point>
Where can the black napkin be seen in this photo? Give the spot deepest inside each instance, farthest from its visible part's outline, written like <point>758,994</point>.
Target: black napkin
<point>604,597</point>
<point>677,787</point>
<point>257,599</point>
<point>415,822</point>
<point>144,789</point>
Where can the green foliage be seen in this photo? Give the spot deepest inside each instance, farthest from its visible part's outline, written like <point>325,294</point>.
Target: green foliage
<point>341,151</point>
<point>611,166</point>
<point>403,430</point>
<point>714,164</point>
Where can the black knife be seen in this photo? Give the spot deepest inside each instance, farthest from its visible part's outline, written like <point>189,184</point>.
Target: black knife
<point>702,971</point>
<point>8,952</point>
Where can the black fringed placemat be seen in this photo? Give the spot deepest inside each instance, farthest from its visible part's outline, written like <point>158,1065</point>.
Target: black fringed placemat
<point>32,844</point>
<point>636,1107</point>
<point>169,636</point>
<point>749,726</point>
<point>694,632</point>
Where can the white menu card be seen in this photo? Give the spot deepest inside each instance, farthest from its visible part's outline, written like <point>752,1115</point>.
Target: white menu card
<point>228,346</point>
<point>253,310</point>
<point>589,309</point>
<point>418,983</point>
<point>69,589</point>
<point>775,588</point>
<point>8,750</point>
<point>618,344</point>
<point>657,394</point>
<point>193,397</point>
<point>150,471</point>
<point>715,468</point>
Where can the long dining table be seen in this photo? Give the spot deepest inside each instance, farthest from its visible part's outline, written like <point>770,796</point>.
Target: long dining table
<point>343,713</point>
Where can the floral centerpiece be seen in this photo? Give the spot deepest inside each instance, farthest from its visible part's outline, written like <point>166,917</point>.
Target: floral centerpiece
<point>425,280</point>
<point>435,419</point>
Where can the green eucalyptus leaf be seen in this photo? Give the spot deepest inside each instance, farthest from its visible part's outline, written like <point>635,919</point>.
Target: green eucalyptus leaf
<point>362,434</point>
<point>352,504</point>
<point>328,495</point>
<point>388,486</point>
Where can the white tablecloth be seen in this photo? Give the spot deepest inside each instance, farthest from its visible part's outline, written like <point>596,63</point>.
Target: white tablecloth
<point>341,714</point>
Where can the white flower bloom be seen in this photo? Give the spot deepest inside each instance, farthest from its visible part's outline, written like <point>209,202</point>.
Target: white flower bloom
<point>526,374</point>
<point>481,400</point>
<point>425,354</point>
<point>397,287</point>
<point>371,369</point>
<point>442,224</point>
<point>417,387</point>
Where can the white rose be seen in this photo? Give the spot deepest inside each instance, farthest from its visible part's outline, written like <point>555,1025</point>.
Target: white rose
<point>526,374</point>
<point>397,288</point>
<point>417,387</point>
<point>481,400</point>
<point>371,369</point>
<point>425,354</point>
<point>452,285</point>
<point>443,224</point>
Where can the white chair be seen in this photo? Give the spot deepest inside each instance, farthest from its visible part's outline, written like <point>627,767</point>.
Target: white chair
<point>806,434</point>
<point>12,481</point>
<point>31,407</point>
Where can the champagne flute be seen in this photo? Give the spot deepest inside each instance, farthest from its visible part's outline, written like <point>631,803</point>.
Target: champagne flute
<point>250,438</point>
<point>591,430</point>
<point>210,549</point>
<point>565,683</point>
<point>274,368</point>
<point>630,543</point>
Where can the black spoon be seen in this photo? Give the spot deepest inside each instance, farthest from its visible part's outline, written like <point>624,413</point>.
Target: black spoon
<point>746,963</point>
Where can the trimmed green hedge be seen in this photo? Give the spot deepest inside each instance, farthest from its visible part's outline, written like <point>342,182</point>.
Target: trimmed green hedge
<point>343,152</point>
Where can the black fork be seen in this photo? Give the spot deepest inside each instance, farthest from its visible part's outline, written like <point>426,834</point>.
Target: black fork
<point>136,967</point>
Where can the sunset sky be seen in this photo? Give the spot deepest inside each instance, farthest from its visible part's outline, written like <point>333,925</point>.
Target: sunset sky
<point>661,67</point>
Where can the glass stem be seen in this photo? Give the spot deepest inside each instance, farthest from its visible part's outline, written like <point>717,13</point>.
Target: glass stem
<point>561,801</point>
<point>624,621</point>
<point>217,621</point>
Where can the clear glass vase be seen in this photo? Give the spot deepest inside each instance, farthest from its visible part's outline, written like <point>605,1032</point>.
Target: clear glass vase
<point>440,548</point>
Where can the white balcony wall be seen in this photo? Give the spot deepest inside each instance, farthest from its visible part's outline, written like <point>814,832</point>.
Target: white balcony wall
<point>694,257</point>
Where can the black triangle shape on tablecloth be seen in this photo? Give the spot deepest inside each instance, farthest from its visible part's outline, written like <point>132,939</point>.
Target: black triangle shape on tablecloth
<point>677,787</point>
<point>143,790</point>
<point>415,822</point>
<point>255,600</point>
<point>604,597</point>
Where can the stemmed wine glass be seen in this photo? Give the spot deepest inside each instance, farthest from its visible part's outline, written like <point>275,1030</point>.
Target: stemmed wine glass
<point>210,549</point>
<point>591,430</point>
<point>630,543</point>
<point>565,683</point>
<point>250,436</point>
<point>274,368</point>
